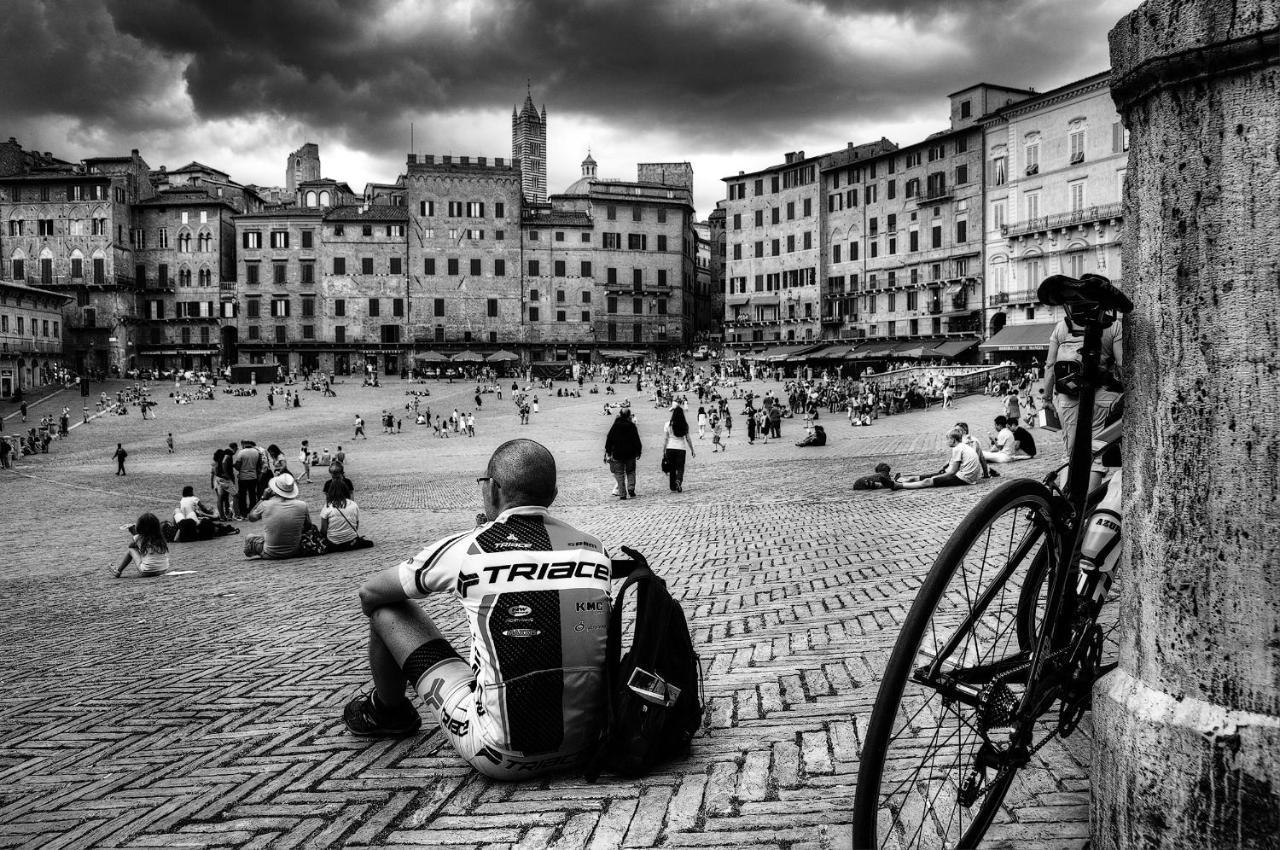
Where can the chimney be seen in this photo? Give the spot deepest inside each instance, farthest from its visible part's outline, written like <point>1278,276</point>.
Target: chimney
<point>464,160</point>
<point>497,160</point>
<point>133,152</point>
<point>447,159</point>
<point>482,160</point>
<point>429,159</point>
<point>413,159</point>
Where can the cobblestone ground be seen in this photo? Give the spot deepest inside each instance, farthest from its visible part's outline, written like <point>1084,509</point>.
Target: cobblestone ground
<point>202,708</point>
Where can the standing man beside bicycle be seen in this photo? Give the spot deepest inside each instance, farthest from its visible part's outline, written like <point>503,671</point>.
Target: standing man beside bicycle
<point>1062,373</point>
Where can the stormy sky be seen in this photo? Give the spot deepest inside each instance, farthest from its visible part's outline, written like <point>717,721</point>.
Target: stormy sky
<point>728,85</point>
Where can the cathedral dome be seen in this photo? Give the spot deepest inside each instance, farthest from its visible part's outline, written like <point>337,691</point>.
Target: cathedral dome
<point>582,186</point>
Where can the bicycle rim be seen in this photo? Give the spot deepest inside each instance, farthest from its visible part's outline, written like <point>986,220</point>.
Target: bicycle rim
<point>922,746</point>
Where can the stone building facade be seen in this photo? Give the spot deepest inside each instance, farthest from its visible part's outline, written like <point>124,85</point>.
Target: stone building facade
<point>719,249</point>
<point>302,166</point>
<point>67,228</point>
<point>30,337</point>
<point>773,236</point>
<point>1055,168</point>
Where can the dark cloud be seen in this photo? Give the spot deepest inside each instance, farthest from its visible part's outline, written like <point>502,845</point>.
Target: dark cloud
<point>718,74</point>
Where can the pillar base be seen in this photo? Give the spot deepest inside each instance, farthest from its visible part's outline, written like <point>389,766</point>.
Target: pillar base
<point>1215,783</point>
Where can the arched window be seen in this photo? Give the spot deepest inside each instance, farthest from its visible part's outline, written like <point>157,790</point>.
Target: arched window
<point>18,266</point>
<point>309,199</point>
<point>324,199</point>
<point>205,241</point>
<point>184,242</point>
<point>46,266</point>
<point>77,264</point>
<point>206,277</point>
<point>184,277</point>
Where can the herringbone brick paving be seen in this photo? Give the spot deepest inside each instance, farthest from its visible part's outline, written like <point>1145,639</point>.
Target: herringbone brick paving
<point>202,710</point>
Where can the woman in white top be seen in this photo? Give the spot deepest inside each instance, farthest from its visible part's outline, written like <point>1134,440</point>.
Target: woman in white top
<point>148,551</point>
<point>677,433</point>
<point>340,518</point>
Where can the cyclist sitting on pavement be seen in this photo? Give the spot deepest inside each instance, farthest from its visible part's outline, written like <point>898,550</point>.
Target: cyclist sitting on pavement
<point>535,591</point>
<point>962,468</point>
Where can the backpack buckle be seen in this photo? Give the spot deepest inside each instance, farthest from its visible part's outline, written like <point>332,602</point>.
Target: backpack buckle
<point>653,688</point>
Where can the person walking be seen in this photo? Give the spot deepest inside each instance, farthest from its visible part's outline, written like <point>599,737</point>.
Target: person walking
<point>168,441</point>
<point>677,441</point>
<point>120,455</point>
<point>304,462</point>
<point>622,448</point>
<point>749,414</point>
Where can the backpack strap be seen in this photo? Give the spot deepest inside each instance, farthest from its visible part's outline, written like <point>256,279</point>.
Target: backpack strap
<point>613,657</point>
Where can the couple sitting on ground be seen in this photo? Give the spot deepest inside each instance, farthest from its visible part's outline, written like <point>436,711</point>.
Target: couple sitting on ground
<point>966,464</point>
<point>285,519</point>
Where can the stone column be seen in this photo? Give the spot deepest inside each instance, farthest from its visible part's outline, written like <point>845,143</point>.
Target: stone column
<point>1187,746</point>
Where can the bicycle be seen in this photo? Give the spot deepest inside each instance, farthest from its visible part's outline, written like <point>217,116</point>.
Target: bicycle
<point>1004,626</point>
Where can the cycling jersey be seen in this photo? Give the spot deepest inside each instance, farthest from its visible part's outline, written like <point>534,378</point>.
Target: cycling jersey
<point>536,595</point>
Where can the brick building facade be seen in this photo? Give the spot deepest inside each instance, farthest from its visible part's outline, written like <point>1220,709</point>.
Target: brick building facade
<point>30,337</point>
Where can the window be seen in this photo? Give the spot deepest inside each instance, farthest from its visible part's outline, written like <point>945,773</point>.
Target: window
<point>254,332</point>
<point>997,214</point>
<point>278,271</point>
<point>533,268</point>
<point>438,306</point>
<point>1033,158</point>
<point>44,227</point>
<point>375,307</point>
<point>1075,263</point>
<point>366,265</point>
<point>962,144</point>
<point>1077,146</point>
<point>499,210</point>
<point>339,306</point>
<point>935,236</point>
<point>308,331</point>
<point>835,253</point>
<point>280,307</point>
<point>962,175</point>
<point>1119,138</point>
<point>500,268</point>
<point>426,208</point>
<point>611,304</point>
<point>737,221</point>
<point>1032,200</point>
<point>558,268</point>
<point>77,268</point>
<point>891,190</point>
<point>791,243</point>
<point>279,239</point>
<point>1076,189</point>
<point>533,314</point>
<point>635,214</point>
<point>637,242</point>
<point>808,239</point>
<point>759,218</point>
<point>999,176</point>
<point>397,306</point>
<point>869,195</point>
<point>791,210</point>
<point>395,266</point>
<point>534,236</point>
<point>776,245</point>
<point>611,212</point>
<point>586,315</point>
<point>586,268</point>
<point>429,265</point>
<point>775,215</point>
<point>962,231</point>
<point>966,108</point>
<point>308,238</point>
<point>366,230</point>
<point>339,265</point>
<point>560,314</point>
<point>808,207</point>
<point>492,308</point>
<point>281,335</point>
<point>612,240</point>
<point>339,229</point>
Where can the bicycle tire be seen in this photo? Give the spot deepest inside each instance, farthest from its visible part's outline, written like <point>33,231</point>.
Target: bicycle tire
<point>875,811</point>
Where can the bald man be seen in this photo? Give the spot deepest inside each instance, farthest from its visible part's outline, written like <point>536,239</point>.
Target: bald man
<point>530,700</point>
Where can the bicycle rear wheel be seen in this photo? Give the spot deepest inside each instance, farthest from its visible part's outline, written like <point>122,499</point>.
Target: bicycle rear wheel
<point>931,771</point>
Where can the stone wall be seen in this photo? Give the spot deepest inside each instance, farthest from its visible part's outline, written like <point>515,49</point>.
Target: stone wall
<point>1187,752</point>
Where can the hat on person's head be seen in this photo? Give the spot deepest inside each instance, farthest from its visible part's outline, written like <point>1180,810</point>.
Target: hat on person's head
<point>284,486</point>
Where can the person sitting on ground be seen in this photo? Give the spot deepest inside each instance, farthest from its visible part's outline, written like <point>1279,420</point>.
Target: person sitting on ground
<point>1006,445</point>
<point>148,551</point>
<point>531,699</point>
<point>192,519</point>
<point>987,472</point>
<point>283,517</point>
<point>1022,438</point>
<point>962,468</point>
<point>340,518</point>
<point>879,481</point>
<point>337,472</point>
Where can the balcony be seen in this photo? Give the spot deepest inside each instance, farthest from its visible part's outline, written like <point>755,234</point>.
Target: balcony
<point>227,290</point>
<point>934,194</point>
<point>1016,296</point>
<point>832,320</point>
<point>19,345</point>
<point>1062,221</point>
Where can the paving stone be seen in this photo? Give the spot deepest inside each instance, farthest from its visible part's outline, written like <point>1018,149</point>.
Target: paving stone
<point>204,709</point>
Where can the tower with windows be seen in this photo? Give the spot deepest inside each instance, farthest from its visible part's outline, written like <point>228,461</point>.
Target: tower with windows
<point>529,147</point>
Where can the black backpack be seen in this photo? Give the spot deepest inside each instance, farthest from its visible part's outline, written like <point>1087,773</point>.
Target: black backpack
<point>654,698</point>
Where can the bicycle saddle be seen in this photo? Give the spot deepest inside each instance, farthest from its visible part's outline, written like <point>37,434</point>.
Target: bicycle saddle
<point>1059,289</point>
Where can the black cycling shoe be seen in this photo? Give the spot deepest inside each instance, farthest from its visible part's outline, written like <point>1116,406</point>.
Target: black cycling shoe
<point>368,718</point>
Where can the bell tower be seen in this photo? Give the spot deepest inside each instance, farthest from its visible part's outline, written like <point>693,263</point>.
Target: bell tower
<point>529,146</point>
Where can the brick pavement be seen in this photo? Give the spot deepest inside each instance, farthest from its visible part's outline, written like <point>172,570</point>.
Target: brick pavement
<point>203,709</point>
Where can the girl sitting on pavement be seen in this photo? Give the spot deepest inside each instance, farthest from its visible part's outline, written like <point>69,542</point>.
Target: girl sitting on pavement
<point>148,552</point>
<point>340,518</point>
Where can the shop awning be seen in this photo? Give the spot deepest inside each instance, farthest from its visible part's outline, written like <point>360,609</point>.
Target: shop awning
<point>951,348</point>
<point>1028,337</point>
<point>468,357</point>
<point>876,350</point>
<point>619,354</point>
<point>430,357</point>
<point>498,356</point>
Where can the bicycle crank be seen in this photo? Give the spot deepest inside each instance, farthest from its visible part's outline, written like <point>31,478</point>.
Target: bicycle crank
<point>1077,696</point>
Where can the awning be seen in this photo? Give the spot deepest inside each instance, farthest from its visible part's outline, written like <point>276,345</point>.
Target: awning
<point>1028,337</point>
<point>951,290</point>
<point>468,357</point>
<point>910,353</point>
<point>619,354</point>
<point>430,357</point>
<point>498,356</point>
<point>951,348</point>
<point>876,350</point>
